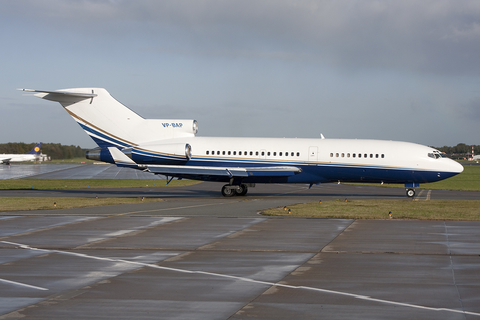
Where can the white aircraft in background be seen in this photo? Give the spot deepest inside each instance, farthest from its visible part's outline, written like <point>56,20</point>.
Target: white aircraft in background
<point>29,156</point>
<point>170,148</point>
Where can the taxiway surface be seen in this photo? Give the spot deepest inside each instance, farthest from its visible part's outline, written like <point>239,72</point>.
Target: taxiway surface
<point>197,255</point>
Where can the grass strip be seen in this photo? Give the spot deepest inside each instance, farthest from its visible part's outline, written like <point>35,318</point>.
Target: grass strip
<point>379,209</point>
<point>47,203</point>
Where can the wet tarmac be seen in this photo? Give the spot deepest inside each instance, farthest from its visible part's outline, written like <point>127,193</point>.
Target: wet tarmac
<point>71,171</point>
<point>160,267</point>
<point>197,255</point>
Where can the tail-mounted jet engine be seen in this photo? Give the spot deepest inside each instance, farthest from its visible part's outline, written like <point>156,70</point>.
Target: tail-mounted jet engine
<point>173,153</point>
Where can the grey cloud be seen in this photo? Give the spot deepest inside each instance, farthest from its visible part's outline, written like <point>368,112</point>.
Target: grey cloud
<point>471,110</point>
<point>431,36</point>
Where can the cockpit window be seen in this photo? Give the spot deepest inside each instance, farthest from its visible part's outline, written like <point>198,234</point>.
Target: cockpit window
<point>436,154</point>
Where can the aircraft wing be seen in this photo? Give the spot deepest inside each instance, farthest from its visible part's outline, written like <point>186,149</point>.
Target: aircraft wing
<point>224,171</point>
<point>122,160</point>
<point>5,160</point>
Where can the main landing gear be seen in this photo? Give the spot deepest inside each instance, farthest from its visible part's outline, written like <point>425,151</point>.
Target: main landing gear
<point>230,190</point>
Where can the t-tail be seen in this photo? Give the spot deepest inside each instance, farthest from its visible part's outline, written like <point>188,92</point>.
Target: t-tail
<point>111,124</point>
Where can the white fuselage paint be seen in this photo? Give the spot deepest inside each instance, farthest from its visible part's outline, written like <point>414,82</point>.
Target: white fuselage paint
<point>8,158</point>
<point>336,153</point>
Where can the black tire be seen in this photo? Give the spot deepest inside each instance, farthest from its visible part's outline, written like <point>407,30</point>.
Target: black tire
<point>228,192</point>
<point>410,193</point>
<point>241,190</point>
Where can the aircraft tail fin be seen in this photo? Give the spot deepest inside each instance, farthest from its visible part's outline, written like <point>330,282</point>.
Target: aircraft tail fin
<point>111,124</point>
<point>36,149</point>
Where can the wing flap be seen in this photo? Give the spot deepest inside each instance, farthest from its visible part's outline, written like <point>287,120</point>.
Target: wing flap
<point>224,171</point>
<point>195,171</point>
<point>273,171</point>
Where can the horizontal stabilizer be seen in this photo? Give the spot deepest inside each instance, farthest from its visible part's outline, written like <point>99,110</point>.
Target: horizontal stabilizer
<point>121,159</point>
<point>61,93</point>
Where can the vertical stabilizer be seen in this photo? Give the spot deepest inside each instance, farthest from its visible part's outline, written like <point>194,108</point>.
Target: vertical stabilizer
<point>111,124</point>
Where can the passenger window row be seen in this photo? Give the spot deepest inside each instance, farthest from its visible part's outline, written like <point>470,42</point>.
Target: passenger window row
<point>359,155</point>
<point>251,153</point>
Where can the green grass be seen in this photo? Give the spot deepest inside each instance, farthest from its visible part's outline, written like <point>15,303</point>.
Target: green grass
<point>69,161</point>
<point>468,180</point>
<point>43,203</point>
<point>56,184</point>
<point>379,209</point>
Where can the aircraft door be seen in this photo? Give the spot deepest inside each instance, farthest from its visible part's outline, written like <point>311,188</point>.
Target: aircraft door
<point>312,153</point>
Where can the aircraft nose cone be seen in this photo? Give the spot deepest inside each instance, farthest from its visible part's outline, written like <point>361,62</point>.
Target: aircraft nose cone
<point>456,167</point>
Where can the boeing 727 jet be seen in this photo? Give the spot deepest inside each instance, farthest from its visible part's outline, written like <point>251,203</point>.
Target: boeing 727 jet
<point>29,156</point>
<point>171,148</point>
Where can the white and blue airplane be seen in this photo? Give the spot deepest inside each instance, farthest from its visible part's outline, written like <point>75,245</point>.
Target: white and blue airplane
<point>171,148</point>
<point>6,158</point>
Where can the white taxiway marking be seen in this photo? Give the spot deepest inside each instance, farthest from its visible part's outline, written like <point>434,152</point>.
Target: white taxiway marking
<point>22,284</point>
<point>173,208</point>
<point>267,283</point>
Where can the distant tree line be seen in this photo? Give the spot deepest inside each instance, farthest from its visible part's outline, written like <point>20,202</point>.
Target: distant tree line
<point>460,151</point>
<point>55,151</point>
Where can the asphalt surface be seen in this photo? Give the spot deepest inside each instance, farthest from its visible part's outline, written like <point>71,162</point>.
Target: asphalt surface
<point>198,255</point>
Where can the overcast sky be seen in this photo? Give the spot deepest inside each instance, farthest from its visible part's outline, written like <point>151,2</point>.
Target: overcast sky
<point>404,70</point>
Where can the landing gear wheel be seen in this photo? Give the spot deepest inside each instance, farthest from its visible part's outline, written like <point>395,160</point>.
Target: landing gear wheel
<point>241,190</point>
<point>227,191</point>
<point>410,193</point>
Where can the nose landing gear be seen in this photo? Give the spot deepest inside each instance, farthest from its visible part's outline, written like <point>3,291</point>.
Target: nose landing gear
<point>409,187</point>
<point>410,193</point>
